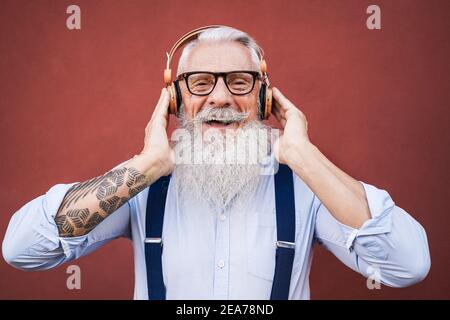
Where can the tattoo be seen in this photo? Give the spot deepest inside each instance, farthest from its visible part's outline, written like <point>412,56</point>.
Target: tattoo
<point>78,217</point>
<point>111,182</point>
<point>112,204</point>
<point>136,190</point>
<point>94,220</point>
<point>80,190</point>
<point>73,221</point>
<point>64,226</point>
<point>135,182</point>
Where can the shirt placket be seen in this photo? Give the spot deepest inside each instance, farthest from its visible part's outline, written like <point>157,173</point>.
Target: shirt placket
<point>222,256</point>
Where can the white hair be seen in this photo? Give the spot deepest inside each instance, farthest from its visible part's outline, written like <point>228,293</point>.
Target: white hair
<point>223,34</point>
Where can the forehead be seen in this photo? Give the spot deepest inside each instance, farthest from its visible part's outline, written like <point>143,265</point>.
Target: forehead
<point>221,56</point>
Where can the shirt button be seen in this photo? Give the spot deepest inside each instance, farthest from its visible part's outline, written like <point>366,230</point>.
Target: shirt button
<point>222,217</point>
<point>221,264</point>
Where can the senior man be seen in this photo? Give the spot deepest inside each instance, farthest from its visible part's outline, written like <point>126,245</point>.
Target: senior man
<point>214,230</point>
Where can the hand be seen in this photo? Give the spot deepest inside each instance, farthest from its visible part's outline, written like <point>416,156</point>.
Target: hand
<point>295,128</point>
<point>156,142</point>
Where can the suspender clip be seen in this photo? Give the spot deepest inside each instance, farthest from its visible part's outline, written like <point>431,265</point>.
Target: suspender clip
<point>285,244</point>
<point>153,240</point>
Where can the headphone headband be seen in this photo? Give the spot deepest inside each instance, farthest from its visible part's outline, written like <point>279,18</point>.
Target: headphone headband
<point>190,36</point>
<point>186,38</point>
<point>266,97</point>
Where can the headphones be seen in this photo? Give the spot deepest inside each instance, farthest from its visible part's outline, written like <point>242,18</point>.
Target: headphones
<point>265,93</point>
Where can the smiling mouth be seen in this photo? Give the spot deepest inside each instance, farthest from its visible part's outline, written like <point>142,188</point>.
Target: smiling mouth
<point>219,122</point>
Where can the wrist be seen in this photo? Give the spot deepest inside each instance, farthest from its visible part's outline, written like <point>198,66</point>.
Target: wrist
<point>302,157</point>
<point>150,166</point>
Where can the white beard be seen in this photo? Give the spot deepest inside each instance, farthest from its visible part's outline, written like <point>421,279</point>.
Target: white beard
<point>230,182</point>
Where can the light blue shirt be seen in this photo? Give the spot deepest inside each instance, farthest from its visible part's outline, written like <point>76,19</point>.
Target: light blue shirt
<point>229,254</point>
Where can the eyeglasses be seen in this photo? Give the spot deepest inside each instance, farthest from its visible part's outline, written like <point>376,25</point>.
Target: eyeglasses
<point>202,83</point>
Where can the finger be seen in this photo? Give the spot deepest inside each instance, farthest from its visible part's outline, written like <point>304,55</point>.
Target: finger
<point>276,107</point>
<point>162,107</point>
<point>276,146</point>
<point>283,102</point>
<point>276,149</point>
<point>288,108</point>
<point>156,107</point>
<point>279,116</point>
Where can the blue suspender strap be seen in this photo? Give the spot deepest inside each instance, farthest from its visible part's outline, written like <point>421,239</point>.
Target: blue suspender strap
<point>285,212</point>
<point>285,215</point>
<point>156,203</point>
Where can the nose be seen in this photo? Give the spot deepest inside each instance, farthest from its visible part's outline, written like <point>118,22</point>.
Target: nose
<point>220,96</point>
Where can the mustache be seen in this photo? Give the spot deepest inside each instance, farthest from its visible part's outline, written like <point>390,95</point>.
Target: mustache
<point>223,114</point>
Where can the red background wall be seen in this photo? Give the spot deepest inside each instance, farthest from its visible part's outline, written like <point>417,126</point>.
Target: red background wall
<point>75,103</point>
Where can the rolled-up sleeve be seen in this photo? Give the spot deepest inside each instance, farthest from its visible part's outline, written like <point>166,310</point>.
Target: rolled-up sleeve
<point>390,247</point>
<point>32,240</point>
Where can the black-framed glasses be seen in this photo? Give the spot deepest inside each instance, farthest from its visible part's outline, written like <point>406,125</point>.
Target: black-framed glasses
<point>202,83</point>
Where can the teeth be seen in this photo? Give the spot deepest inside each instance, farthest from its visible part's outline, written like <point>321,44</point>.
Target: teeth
<point>225,122</point>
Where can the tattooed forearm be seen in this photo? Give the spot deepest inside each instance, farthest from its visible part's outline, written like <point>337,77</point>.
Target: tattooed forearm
<point>135,182</point>
<point>87,204</point>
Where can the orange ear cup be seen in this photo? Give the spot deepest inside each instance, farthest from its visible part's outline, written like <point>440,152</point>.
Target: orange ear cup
<point>173,100</point>
<point>169,85</point>
<point>268,102</point>
<point>268,107</point>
